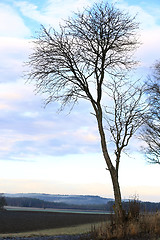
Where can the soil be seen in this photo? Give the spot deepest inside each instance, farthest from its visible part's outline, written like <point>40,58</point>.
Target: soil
<point>23,221</point>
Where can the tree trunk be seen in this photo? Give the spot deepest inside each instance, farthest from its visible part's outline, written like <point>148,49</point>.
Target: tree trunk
<point>117,195</point>
<point>113,171</point>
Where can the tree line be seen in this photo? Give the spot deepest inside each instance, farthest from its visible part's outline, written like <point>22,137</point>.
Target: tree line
<point>109,206</point>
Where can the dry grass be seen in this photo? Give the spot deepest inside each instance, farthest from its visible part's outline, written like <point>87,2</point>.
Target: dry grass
<point>147,225</point>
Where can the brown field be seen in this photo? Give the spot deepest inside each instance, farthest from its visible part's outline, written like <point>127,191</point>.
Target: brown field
<point>24,221</point>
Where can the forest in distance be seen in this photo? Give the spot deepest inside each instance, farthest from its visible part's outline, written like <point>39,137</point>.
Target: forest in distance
<point>108,206</point>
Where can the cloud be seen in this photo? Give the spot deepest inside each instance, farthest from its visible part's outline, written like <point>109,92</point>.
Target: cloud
<point>149,32</point>
<point>149,52</point>
<point>51,12</point>
<point>28,129</point>
<point>14,51</point>
<point>31,11</point>
<point>12,24</point>
<point>58,135</point>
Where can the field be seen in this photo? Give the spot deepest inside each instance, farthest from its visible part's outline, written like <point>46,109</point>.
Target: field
<point>26,221</point>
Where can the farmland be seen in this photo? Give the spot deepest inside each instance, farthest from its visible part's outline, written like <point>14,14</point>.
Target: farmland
<point>25,221</point>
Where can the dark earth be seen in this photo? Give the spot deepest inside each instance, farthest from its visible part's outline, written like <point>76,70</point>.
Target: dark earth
<point>23,221</point>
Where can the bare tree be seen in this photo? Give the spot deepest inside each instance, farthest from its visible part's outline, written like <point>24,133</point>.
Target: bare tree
<point>124,117</point>
<point>151,131</point>
<point>79,60</point>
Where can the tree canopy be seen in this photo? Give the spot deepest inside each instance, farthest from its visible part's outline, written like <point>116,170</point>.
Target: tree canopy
<point>68,63</point>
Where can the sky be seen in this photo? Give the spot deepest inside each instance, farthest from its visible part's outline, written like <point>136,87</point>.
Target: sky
<point>46,151</point>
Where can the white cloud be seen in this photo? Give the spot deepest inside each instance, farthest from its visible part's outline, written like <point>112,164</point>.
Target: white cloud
<point>27,129</point>
<point>47,16</point>
<point>13,51</point>
<point>146,20</point>
<point>12,24</point>
<point>53,12</point>
<point>149,51</point>
<point>149,31</point>
<point>55,135</point>
<point>31,11</point>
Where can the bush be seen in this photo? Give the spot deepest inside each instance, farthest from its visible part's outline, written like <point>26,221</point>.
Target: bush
<point>147,225</point>
<point>133,209</point>
<point>135,224</point>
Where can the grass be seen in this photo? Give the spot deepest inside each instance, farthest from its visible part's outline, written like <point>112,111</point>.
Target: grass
<point>78,229</point>
<point>147,226</point>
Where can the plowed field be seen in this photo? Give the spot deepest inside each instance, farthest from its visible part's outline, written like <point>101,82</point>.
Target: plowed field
<point>23,221</point>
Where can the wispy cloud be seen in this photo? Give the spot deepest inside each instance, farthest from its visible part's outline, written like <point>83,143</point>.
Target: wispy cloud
<point>12,24</point>
<point>52,12</point>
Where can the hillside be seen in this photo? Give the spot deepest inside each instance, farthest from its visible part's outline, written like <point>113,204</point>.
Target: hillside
<point>81,202</point>
<point>67,199</point>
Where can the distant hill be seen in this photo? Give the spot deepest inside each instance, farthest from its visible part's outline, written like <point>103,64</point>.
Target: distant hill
<point>81,202</point>
<point>67,199</point>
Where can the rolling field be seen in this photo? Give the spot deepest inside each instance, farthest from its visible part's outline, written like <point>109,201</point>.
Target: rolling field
<point>25,221</point>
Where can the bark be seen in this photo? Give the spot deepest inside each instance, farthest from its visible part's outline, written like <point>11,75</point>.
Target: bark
<point>113,171</point>
<point>117,195</point>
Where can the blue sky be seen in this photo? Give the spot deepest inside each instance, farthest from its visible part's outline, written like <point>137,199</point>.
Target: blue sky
<point>42,150</point>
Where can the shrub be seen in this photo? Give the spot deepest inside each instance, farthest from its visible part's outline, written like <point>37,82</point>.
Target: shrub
<point>147,225</point>
<point>133,209</point>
